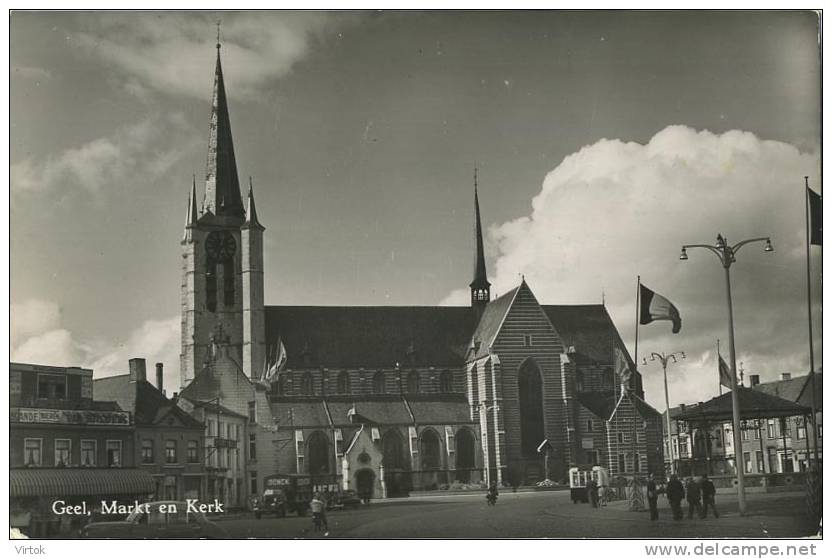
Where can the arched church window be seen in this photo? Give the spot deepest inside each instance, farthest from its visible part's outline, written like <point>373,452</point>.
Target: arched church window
<point>228,282</point>
<point>318,453</point>
<point>393,451</point>
<point>413,382</point>
<point>530,386</point>
<point>430,449</point>
<point>211,287</point>
<point>307,387</point>
<point>446,381</point>
<point>378,383</point>
<point>344,383</point>
<point>465,453</point>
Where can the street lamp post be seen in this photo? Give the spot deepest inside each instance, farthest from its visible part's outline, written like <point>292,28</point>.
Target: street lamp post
<point>727,256</point>
<point>664,359</point>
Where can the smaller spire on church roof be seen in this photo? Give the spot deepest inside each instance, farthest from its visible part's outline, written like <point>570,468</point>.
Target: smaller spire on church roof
<point>251,209</point>
<point>191,215</point>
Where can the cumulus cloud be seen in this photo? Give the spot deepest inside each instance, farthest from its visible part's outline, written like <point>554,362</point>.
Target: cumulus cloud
<point>37,335</point>
<point>146,149</point>
<point>617,209</point>
<point>169,52</point>
<point>40,336</point>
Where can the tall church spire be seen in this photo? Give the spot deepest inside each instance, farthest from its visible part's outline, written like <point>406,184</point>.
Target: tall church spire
<point>480,287</point>
<point>222,186</point>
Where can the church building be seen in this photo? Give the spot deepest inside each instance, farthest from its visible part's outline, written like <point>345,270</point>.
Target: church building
<point>388,399</point>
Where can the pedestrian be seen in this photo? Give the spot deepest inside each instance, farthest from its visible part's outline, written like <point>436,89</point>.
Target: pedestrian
<point>694,496</point>
<point>675,494</point>
<point>708,497</point>
<point>592,490</point>
<point>652,497</point>
<point>318,508</point>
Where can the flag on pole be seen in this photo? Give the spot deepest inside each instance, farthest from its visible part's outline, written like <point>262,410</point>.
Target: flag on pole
<point>724,373</point>
<point>622,368</point>
<point>655,307</point>
<point>276,364</point>
<point>815,217</point>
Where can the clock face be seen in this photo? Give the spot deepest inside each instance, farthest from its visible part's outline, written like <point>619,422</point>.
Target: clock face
<point>220,245</point>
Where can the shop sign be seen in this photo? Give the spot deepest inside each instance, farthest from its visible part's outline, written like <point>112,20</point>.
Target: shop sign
<point>70,417</point>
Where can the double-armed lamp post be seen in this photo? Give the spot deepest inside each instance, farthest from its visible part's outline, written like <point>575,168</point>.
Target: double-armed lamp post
<point>727,256</point>
<point>664,360</point>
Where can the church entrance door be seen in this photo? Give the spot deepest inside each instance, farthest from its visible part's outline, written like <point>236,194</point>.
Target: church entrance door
<point>365,481</point>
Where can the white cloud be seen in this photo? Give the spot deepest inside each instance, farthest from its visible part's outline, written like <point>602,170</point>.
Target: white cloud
<point>145,149</point>
<point>157,341</point>
<point>39,336</point>
<point>33,316</point>
<point>616,209</point>
<point>170,52</point>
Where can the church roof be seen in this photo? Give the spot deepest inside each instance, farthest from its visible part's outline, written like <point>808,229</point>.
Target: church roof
<point>599,403</point>
<point>370,337</point>
<point>441,409</point>
<point>587,328</point>
<point>492,318</point>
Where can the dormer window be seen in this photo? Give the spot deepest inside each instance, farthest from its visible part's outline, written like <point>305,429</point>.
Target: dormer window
<point>344,383</point>
<point>306,385</point>
<point>413,382</point>
<point>446,382</point>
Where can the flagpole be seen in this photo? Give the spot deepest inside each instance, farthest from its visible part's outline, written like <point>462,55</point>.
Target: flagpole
<point>638,298</point>
<point>635,365</point>
<point>811,340</point>
<point>718,368</point>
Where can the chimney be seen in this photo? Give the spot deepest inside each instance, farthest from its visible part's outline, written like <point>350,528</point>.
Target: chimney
<point>754,379</point>
<point>159,377</point>
<point>786,376</point>
<point>138,369</point>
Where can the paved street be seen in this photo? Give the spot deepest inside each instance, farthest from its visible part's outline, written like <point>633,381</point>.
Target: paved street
<point>535,515</point>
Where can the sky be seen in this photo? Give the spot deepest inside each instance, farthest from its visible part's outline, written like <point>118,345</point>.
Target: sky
<point>603,141</point>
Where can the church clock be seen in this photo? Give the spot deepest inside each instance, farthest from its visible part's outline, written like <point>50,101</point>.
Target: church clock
<point>220,246</point>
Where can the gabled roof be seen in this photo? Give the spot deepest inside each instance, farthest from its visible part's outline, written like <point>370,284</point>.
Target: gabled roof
<point>492,319</point>
<point>644,409</point>
<point>600,404</point>
<point>370,337</point>
<point>587,328</point>
<point>798,389</point>
<point>142,399</point>
<point>221,379</point>
<point>754,404</point>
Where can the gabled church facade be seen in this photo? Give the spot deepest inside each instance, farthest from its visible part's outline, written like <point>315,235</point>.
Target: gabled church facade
<point>492,392</point>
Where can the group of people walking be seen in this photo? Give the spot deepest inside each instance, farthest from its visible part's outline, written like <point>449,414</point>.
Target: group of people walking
<point>700,496</point>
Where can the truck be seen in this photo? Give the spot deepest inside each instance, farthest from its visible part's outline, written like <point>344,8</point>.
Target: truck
<point>284,494</point>
<point>578,478</point>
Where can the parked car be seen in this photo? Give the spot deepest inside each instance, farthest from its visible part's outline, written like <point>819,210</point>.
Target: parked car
<point>349,499</point>
<point>157,520</point>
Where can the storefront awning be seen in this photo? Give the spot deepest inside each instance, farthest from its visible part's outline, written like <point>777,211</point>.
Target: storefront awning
<point>71,482</point>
